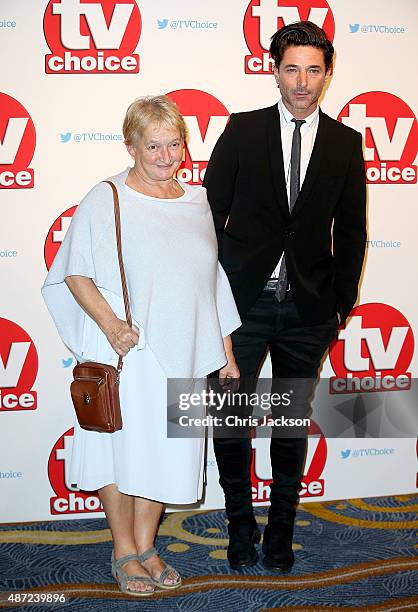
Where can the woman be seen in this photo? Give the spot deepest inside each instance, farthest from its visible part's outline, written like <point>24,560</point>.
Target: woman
<point>183,311</point>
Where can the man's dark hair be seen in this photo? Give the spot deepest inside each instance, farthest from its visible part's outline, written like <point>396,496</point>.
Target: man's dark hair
<point>302,33</point>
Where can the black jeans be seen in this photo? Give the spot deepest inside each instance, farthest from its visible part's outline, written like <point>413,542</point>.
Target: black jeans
<point>296,350</point>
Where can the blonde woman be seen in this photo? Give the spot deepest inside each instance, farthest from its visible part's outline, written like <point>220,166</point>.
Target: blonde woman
<point>183,312</point>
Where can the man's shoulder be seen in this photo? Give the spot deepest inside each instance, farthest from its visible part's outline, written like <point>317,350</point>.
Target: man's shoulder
<point>339,128</point>
<point>259,114</point>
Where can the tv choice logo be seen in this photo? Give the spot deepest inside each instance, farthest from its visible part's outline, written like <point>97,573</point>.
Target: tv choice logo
<point>206,118</point>
<point>264,17</point>
<point>373,352</point>
<point>312,485</point>
<point>390,135</point>
<point>92,36</point>
<point>56,235</point>
<point>68,499</point>
<point>18,368</point>
<point>17,144</point>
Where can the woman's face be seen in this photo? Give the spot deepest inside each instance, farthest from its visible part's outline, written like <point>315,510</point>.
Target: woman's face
<point>158,153</point>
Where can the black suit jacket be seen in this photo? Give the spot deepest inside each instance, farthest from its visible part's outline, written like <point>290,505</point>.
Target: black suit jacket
<point>323,238</point>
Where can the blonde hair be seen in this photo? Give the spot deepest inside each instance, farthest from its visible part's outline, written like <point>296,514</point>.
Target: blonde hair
<point>151,109</point>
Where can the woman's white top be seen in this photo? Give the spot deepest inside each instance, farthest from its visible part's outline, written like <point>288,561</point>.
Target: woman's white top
<point>179,294</point>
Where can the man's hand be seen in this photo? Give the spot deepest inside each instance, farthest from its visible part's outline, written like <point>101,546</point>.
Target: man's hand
<point>230,370</point>
<point>229,374</point>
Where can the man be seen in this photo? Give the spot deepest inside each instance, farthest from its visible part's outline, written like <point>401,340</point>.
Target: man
<point>286,185</point>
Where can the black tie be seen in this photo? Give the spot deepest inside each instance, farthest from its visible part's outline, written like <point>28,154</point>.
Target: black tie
<point>294,192</point>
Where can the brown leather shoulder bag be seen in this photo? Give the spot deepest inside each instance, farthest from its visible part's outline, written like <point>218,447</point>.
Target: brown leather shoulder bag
<point>95,388</point>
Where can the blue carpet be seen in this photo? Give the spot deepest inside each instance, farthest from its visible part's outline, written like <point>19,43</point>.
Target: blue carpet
<point>358,554</point>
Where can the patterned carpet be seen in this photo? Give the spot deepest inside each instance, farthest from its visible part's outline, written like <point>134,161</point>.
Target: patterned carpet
<point>357,554</point>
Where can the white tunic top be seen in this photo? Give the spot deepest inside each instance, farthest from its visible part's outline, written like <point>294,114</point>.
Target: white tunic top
<point>181,301</point>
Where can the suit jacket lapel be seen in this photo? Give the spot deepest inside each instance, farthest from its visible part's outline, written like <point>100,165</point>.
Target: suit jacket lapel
<point>276,158</point>
<point>314,164</point>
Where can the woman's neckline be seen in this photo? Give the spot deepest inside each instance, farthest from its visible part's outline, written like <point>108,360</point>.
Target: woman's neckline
<point>149,197</point>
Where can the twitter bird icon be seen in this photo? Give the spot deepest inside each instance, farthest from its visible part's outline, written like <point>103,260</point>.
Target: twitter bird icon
<point>65,137</point>
<point>66,363</point>
<point>345,453</point>
<point>162,23</point>
<point>354,27</point>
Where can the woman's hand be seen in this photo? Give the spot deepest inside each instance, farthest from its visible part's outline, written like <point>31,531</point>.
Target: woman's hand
<point>122,337</point>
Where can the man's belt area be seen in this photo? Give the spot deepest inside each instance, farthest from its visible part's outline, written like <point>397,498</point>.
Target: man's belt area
<point>271,286</point>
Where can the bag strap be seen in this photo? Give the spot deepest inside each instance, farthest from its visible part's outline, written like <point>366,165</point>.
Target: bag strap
<point>120,259</point>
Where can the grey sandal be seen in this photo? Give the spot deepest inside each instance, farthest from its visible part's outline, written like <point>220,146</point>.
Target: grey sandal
<point>122,578</point>
<point>151,552</point>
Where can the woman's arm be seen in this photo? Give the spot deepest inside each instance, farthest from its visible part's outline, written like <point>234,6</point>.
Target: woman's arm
<point>121,337</point>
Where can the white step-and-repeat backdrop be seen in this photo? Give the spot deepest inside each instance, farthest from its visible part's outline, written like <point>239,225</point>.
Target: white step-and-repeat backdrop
<point>69,69</point>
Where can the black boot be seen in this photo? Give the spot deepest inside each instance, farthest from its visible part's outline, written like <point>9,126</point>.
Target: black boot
<point>234,457</point>
<point>243,535</point>
<point>287,459</point>
<point>277,546</point>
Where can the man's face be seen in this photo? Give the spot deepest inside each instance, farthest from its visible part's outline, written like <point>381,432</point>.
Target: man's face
<point>301,78</point>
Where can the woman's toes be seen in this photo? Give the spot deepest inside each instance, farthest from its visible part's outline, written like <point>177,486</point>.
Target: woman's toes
<point>172,578</point>
<point>138,585</point>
